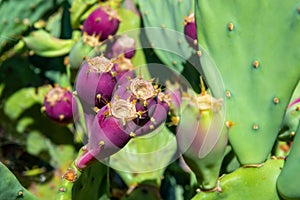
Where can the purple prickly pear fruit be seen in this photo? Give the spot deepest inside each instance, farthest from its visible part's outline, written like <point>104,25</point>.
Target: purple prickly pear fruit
<point>174,93</point>
<point>190,31</point>
<point>124,45</point>
<point>95,82</point>
<point>102,22</point>
<point>59,105</point>
<point>111,130</point>
<point>123,66</point>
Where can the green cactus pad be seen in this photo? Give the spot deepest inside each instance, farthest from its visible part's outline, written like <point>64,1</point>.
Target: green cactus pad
<point>17,16</point>
<point>10,188</point>
<point>291,118</point>
<point>92,183</point>
<point>145,192</point>
<point>141,159</point>
<point>247,184</point>
<point>167,39</point>
<point>288,182</point>
<point>43,44</point>
<point>255,47</point>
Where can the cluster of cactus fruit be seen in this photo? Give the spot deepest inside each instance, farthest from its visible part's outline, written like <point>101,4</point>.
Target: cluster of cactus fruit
<point>117,105</point>
<point>235,129</point>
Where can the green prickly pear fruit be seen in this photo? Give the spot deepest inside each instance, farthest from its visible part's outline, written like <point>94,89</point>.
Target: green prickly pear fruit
<point>291,120</point>
<point>288,182</point>
<point>202,138</point>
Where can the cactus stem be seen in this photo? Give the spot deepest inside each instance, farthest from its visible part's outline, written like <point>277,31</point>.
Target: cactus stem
<point>70,175</point>
<point>228,94</point>
<point>276,100</point>
<point>255,127</point>
<point>230,26</point>
<point>255,64</point>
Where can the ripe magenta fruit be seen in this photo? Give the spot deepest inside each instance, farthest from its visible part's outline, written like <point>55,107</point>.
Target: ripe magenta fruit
<point>190,31</point>
<point>58,105</point>
<point>95,82</point>
<point>122,45</point>
<point>102,22</point>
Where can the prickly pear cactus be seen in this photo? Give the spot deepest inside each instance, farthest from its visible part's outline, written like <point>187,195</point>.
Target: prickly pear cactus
<point>253,45</point>
<point>11,188</point>
<point>288,180</point>
<point>167,39</point>
<point>247,183</point>
<point>16,17</point>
